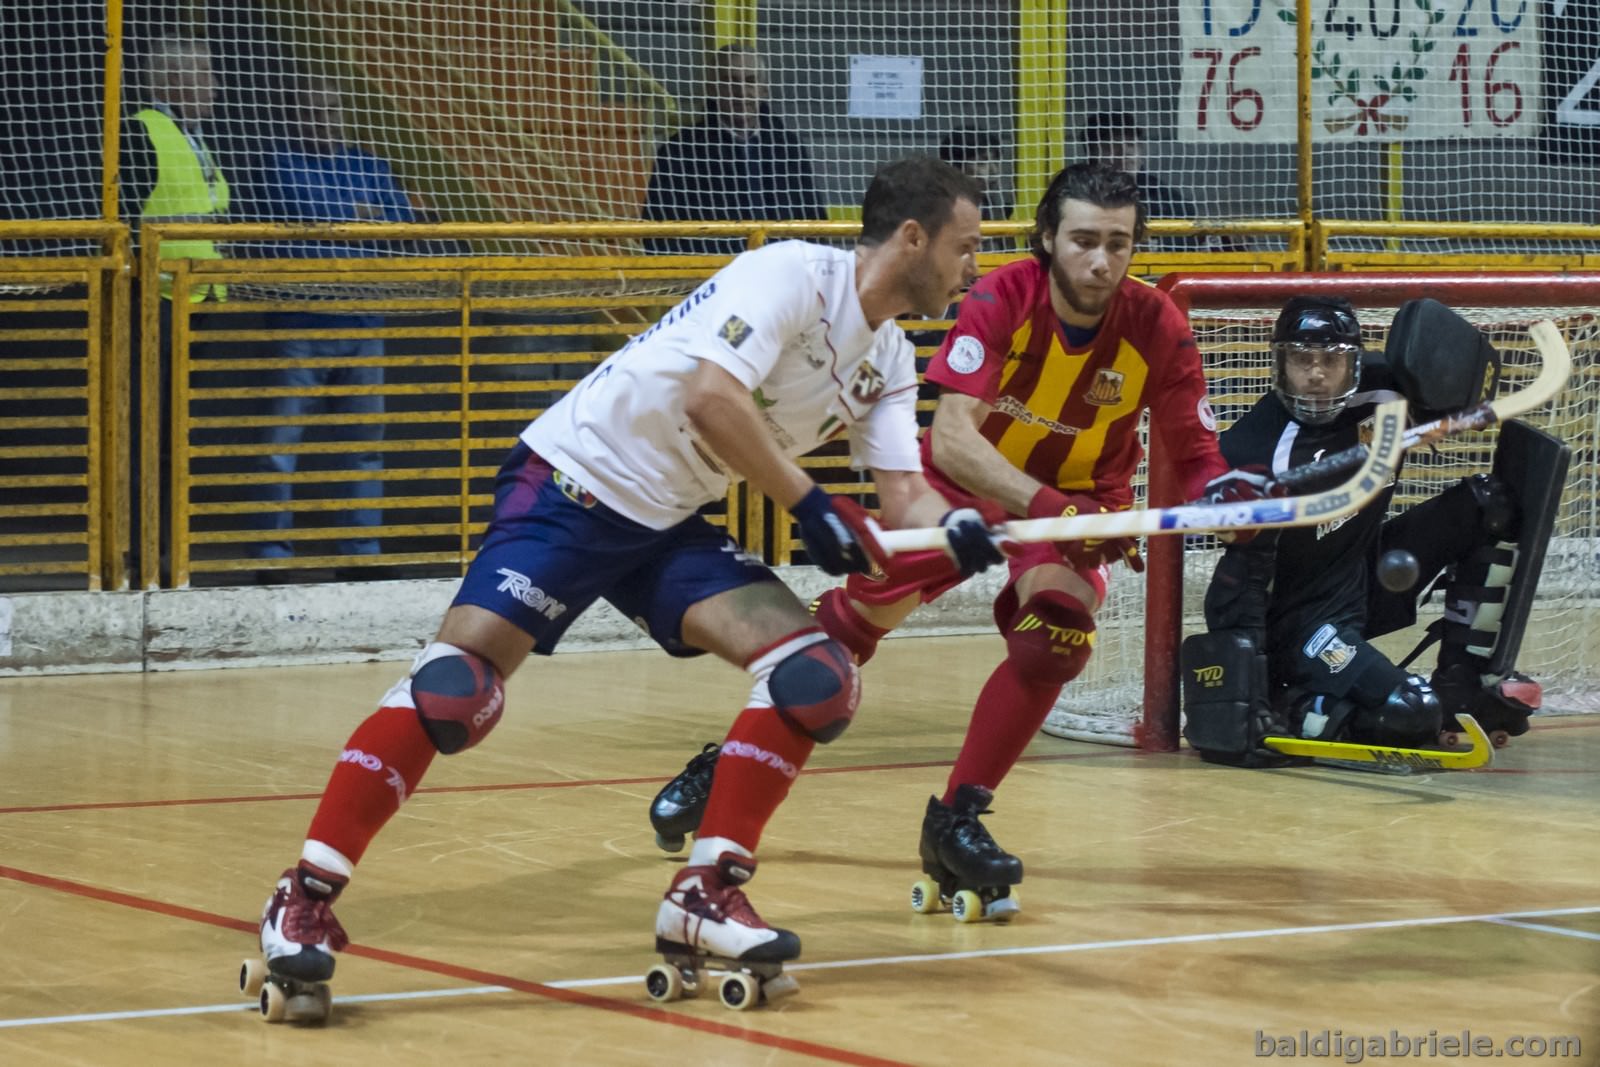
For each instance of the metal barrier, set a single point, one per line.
(63, 403)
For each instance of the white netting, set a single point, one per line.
(1107, 702)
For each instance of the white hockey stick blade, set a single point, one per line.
(1346, 498)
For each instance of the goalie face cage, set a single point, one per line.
(1129, 693)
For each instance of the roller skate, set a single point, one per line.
(677, 809)
(1502, 708)
(705, 925)
(967, 872)
(299, 936)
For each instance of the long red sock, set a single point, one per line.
(1009, 712)
(760, 761)
(380, 766)
(840, 620)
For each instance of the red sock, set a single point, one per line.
(840, 620)
(748, 787)
(381, 764)
(1010, 711)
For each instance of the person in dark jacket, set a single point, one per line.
(740, 163)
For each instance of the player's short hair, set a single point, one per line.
(1095, 183)
(966, 144)
(917, 187)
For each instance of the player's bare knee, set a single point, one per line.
(816, 689)
(1050, 638)
(458, 695)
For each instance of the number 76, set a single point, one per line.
(1237, 97)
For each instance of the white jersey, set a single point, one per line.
(785, 321)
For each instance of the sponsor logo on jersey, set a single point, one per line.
(966, 355)
(1327, 646)
(1106, 389)
(682, 308)
(1010, 405)
(1208, 418)
(523, 589)
(745, 750)
(735, 331)
(867, 383)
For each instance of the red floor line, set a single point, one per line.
(467, 974)
(115, 805)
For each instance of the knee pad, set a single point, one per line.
(458, 697)
(1409, 716)
(1497, 508)
(1050, 638)
(811, 681)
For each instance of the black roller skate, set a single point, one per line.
(299, 937)
(967, 872)
(678, 808)
(1502, 708)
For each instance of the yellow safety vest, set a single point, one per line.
(187, 188)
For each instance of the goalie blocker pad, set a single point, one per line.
(1440, 361)
(1224, 693)
(1534, 465)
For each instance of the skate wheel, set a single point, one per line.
(274, 1002)
(924, 897)
(1500, 738)
(782, 986)
(252, 975)
(739, 991)
(669, 844)
(1004, 909)
(310, 1004)
(663, 983)
(966, 906)
(1450, 739)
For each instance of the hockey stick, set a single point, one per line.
(1552, 378)
(1375, 471)
(1481, 754)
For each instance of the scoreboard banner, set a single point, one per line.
(1381, 70)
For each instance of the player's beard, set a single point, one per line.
(1079, 301)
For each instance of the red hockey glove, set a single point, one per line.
(1049, 503)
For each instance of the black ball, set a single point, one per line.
(1398, 570)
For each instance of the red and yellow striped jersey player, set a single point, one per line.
(1044, 378)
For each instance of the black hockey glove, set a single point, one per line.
(974, 544)
(835, 533)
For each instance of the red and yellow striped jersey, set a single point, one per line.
(1070, 417)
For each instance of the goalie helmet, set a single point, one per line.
(1316, 357)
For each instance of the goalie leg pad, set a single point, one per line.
(812, 683)
(1050, 638)
(458, 695)
(1534, 464)
(1224, 693)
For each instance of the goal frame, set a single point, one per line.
(1158, 727)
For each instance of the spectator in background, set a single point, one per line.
(740, 163)
(170, 173)
(317, 176)
(978, 153)
(1114, 137)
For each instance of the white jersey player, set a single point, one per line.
(783, 349)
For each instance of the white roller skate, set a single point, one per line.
(705, 923)
(299, 936)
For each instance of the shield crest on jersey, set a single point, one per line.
(1107, 388)
(1365, 432)
(867, 384)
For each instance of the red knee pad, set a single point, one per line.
(459, 698)
(816, 689)
(1050, 638)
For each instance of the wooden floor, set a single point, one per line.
(1173, 912)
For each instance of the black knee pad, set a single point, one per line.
(459, 698)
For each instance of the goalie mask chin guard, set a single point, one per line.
(1316, 342)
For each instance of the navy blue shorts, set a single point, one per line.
(552, 549)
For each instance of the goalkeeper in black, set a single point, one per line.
(1290, 613)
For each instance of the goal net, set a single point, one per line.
(1128, 694)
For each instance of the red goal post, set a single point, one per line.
(1129, 698)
